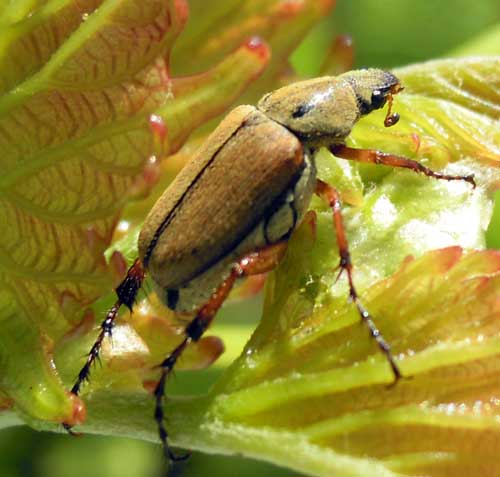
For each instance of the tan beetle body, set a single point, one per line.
(232, 177)
(230, 211)
(250, 184)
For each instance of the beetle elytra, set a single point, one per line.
(230, 212)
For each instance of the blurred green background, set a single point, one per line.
(385, 34)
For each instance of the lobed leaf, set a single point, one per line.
(76, 137)
(316, 375)
(89, 103)
(311, 390)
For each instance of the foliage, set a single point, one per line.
(310, 390)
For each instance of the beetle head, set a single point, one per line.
(324, 110)
(372, 87)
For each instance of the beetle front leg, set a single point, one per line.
(331, 195)
(261, 261)
(378, 157)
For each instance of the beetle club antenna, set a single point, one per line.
(392, 118)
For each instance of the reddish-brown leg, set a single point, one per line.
(260, 261)
(126, 293)
(379, 157)
(331, 195)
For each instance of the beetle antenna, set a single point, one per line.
(392, 118)
(127, 292)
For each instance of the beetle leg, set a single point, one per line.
(379, 157)
(261, 261)
(331, 195)
(127, 292)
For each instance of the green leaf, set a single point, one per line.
(81, 82)
(316, 390)
(89, 104)
(311, 391)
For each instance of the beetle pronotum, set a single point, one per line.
(231, 210)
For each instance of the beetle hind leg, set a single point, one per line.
(261, 261)
(126, 293)
(331, 195)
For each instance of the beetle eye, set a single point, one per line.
(378, 98)
(302, 110)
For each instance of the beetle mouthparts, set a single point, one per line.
(396, 88)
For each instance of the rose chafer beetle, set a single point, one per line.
(230, 212)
